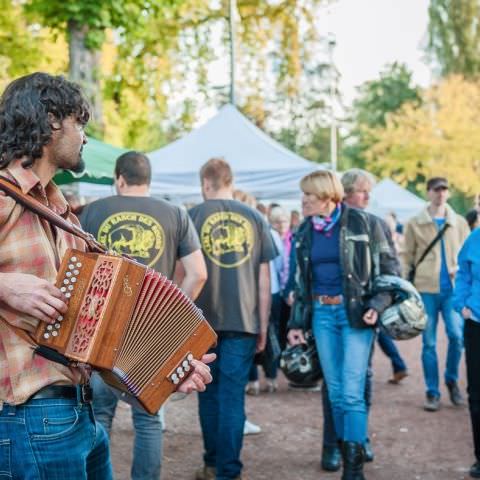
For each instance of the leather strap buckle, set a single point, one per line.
(86, 393)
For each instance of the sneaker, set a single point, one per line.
(455, 395)
(206, 473)
(272, 386)
(432, 403)
(250, 428)
(398, 377)
(253, 388)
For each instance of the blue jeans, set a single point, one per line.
(344, 355)
(436, 303)
(222, 405)
(53, 439)
(391, 351)
(147, 449)
(330, 438)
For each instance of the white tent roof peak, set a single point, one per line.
(388, 196)
(229, 134)
(261, 166)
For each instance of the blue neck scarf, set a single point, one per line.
(325, 224)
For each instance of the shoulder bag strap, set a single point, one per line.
(432, 243)
(41, 210)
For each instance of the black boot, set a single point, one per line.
(331, 458)
(353, 459)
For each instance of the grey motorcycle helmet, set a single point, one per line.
(406, 317)
(300, 363)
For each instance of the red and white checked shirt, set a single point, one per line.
(28, 245)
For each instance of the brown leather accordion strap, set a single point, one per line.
(41, 210)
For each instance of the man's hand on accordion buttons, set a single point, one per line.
(32, 295)
(200, 376)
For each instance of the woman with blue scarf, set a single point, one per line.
(339, 252)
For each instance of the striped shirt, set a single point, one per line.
(29, 244)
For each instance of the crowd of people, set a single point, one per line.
(264, 278)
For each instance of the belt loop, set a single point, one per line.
(12, 410)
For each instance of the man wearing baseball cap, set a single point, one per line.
(433, 239)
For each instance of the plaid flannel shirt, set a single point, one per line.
(28, 245)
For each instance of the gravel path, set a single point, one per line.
(409, 443)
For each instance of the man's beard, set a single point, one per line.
(80, 166)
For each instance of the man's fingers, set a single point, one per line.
(54, 291)
(58, 304)
(209, 357)
(40, 315)
(198, 383)
(203, 371)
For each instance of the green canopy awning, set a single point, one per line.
(99, 160)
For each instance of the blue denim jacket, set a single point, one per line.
(467, 280)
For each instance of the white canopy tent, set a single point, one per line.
(261, 165)
(388, 196)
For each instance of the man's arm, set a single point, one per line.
(264, 303)
(32, 296)
(195, 273)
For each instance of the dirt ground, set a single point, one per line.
(409, 443)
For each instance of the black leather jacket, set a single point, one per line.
(364, 254)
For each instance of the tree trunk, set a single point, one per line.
(84, 69)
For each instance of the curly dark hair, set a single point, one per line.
(25, 123)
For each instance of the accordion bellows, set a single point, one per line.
(132, 324)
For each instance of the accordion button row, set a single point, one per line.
(68, 285)
(182, 370)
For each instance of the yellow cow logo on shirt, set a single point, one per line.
(134, 234)
(227, 239)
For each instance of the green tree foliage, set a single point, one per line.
(439, 136)
(24, 47)
(145, 64)
(377, 99)
(454, 36)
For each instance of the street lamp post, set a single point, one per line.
(333, 93)
(232, 10)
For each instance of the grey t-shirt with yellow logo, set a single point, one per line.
(235, 241)
(153, 232)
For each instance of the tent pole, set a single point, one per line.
(232, 9)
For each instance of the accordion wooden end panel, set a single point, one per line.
(128, 321)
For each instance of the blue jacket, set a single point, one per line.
(467, 280)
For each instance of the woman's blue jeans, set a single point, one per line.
(53, 439)
(344, 352)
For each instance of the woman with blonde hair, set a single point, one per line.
(338, 256)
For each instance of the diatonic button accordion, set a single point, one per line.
(132, 324)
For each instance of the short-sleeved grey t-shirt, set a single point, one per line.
(152, 231)
(235, 241)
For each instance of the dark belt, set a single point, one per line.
(82, 393)
(329, 300)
